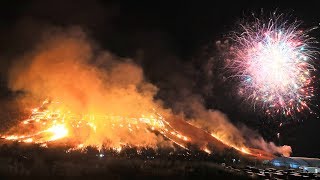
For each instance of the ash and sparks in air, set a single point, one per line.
(273, 59)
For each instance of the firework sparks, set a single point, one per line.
(273, 60)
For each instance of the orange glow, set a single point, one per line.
(54, 124)
(59, 131)
(29, 140)
(231, 144)
(206, 150)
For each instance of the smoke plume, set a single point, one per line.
(68, 67)
(256, 141)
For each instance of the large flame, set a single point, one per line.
(48, 123)
(59, 131)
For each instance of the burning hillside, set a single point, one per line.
(104, 101)
(48, 125)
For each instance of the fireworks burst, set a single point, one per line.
(273, 59)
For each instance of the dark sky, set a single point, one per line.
(168, 39)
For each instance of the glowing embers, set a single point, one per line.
(207, 150)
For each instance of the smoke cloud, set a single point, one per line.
(66, 66)
(256, 141)
(270, 147)
(216, 123)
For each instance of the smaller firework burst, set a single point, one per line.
(273, 60)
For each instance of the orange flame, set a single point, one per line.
(56, 125)
(59, 131)
(231, 144)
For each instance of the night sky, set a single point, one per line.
(173, 42)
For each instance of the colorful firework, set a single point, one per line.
(273, 59)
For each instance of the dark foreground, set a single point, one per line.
(126, 169)
(21, 162)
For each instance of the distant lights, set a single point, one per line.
(101, 155)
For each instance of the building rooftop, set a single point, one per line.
(296, 162)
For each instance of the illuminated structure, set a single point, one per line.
(311, 165)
